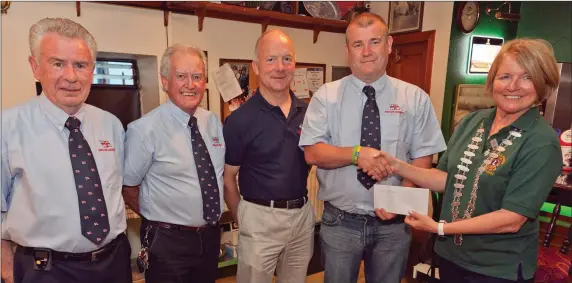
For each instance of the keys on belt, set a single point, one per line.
(287, 204)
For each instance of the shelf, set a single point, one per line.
(243, 14)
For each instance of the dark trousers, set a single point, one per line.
(181, 256)
(114, 268)
(452, 273)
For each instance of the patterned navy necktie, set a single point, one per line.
(92, 208)
(206, 173)
(370, 131)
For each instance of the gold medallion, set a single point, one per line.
(495, 163)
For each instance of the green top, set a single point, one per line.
(519, 180)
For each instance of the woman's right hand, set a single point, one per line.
(394, 163)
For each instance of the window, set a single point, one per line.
(115, 72)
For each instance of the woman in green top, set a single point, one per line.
(500, 166)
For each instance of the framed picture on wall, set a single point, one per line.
(205, 102)
(405, 16)
(483, 53)
(206, 66)
(241, 69)
(469, 98)
(339, 72)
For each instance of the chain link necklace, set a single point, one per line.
(463, 170)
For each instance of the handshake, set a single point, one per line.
(377, 164)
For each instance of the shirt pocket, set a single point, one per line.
(108, 162)
(393, 135)
(394, 127)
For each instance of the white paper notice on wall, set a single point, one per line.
(400, 200)
(226, 83)
(299, 84)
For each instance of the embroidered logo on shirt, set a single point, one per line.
(105, 146)
(394, 108)
(299, 130)
(495, 163)
(216, 142)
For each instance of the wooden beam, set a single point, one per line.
(78, 8)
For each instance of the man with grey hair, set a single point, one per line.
(174, 161)
(62, 168)
(275, 218)
(347, 123)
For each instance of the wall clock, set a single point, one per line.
(468, 16)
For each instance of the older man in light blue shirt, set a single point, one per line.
(348, 121)
(174, 184)
(62, 170)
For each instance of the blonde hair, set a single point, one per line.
(63, 27)
(536, 57)
(179, 47)
(365, 20)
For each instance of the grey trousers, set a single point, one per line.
(274, 239)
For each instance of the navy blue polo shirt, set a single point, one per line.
(264, 143)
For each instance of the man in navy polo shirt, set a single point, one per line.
(276, 221)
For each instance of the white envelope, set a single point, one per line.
(400, 200)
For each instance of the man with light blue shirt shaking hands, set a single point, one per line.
(348, 121)
(174, 161)
(62, 170)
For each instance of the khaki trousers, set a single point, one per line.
(274, 239)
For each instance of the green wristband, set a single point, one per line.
(355, 154)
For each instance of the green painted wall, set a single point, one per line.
(551, 21)
(459, 54)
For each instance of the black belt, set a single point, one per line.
(287, 204)
(397, 219)
(178, 227)
(65, 256)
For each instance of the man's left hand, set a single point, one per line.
(384, 215)
(421, 222)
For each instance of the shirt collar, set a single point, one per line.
(57, 116)
(264, 105)
(181, 116)
(378, 85)
(524, 122)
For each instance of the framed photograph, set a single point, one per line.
(483, 53)
(469, 98)
(405, 16)
(314, 76)
(241, 69)
(207, 73)
(339, 72)
(205, 102)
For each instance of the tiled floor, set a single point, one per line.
(314, 278)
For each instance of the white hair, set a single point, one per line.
(179, 47)
(63, 27)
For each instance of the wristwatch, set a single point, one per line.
(440, 228)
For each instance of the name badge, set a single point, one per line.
(494, 143)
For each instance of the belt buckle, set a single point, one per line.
(95, 253)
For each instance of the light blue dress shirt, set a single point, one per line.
(159, 157)
(409, 130)
(39, 197)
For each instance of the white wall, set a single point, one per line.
(115, 28)
(436, 16)
(236, 40)
(141, 31)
